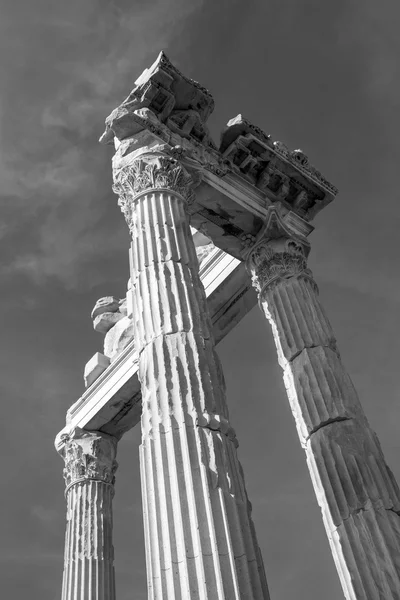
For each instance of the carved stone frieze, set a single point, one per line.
(272, 167)
(150, 172)
(277, 254)
(88, 455)
(246, 143)
(167, 107)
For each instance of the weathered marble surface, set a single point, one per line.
(89, 475)
(188, 452)
(112, 403)
(356, 491)
(200, 540)
(110, 317)
(237, 181)
(95, 367)
(208, 547)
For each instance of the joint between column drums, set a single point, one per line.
(227, 434)
(221, 425)
(328, 422)
(310, 347)
(169, 334)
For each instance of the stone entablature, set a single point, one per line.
(235, 183)
(179, 102)
(284, 175)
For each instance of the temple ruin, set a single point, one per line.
(250, 203)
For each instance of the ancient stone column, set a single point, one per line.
(355, 489)
(89, 476)
(199, 536)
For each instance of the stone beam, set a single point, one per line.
(238, 180)
(112, 404)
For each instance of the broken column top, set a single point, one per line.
(239, 180)
(172, 97)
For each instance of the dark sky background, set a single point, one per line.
(322, 76)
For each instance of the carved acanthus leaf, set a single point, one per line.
(88, 455)
(151, 172)
(278, 254)
(276, 259)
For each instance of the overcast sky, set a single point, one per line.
(322, 76)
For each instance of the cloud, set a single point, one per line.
(74, 62)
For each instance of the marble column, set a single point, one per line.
(89, 476)
(199, 535)
(355, 489)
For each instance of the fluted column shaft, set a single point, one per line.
(89, 475)
(355, 489)
(200, 539)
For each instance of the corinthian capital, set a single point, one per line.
(277, 254)
(88, 455)
(150, 172)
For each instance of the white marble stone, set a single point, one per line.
(200, 540)
(118, 338)
(117, 390)
(89, 475)
(356, 491)
(188, 455)
(95, 367)
(105, 321)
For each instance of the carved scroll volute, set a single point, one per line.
(278, 254)
(88, 455)
(150, 172)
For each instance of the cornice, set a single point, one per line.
(174, 109)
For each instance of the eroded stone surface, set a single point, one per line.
(95, 367)
(195, 503)
(235, 182)
(357, 493)
(89, 475)
(118, 338)
(110, 317)
(105, 321)
(106, 304)
(168, 111)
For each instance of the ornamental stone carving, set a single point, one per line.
(110, 317)
(278, 254)
(88, 455)
(150, 172)
(282, 174)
